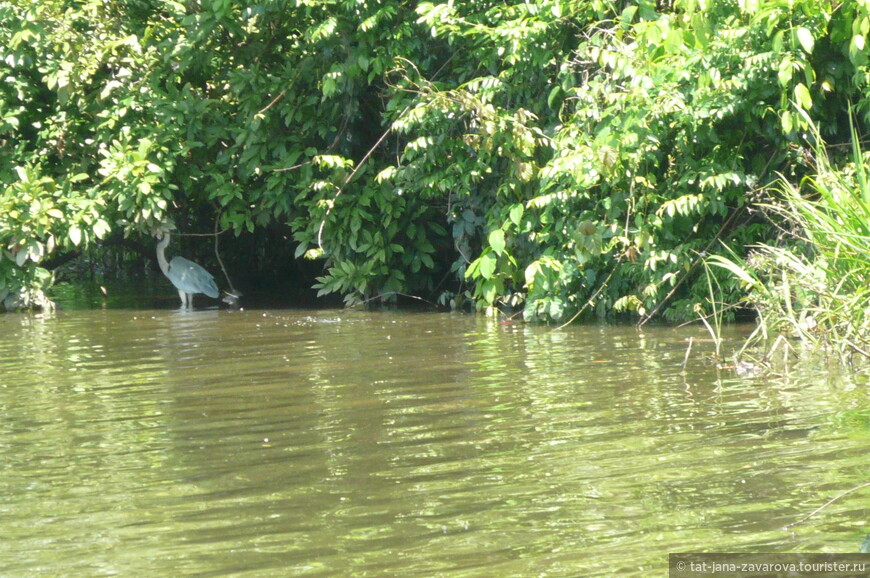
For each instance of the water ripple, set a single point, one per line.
(337, 442)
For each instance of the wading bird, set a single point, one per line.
(188, 277)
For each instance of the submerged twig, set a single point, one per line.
(409, 296)
(779, 339)
(688, 351)
(826, 504)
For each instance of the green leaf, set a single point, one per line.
(785, 72)
(556, 309)
(554, 94)
(487, 265)
(101, 229)
(787, 122)
(496, 241)
(856, 50)
(531, 272)
(75, 235)
(805, 37)
(489, 292)
(627, 15)
(802, 94)
(777, 42)
(516, 214)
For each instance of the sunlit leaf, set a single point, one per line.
(516, 214)
(487, 265)
(802, 94)
(101, 229)
(496, 241)
(805, 37)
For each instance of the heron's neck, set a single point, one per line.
(161, 254)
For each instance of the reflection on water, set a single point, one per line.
(344, 443)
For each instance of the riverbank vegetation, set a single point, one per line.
(814, 282)
(557, 158)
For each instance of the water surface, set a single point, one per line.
(337, 443)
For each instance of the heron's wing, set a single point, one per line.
(191, 278)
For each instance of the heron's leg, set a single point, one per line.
(183, 296)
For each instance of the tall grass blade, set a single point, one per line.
(814, 283)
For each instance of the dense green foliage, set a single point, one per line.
(550, 156)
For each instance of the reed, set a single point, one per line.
(716, 311)
(813, 285)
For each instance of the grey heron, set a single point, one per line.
(188, 277)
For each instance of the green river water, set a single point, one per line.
(342, 443)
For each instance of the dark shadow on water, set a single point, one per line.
(159, 294)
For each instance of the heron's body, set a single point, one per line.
(188, 277)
